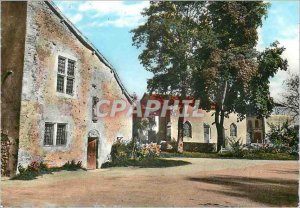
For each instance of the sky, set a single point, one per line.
(107, 24)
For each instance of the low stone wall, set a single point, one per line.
(199, 147)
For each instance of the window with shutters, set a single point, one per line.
(65, 75)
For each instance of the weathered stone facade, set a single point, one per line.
(50, 35)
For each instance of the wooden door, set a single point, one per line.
(257, 137)
(92, 154)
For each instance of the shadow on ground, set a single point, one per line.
(272, 192)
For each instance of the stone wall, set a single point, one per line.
(48, 36)
(197, 124)
(13, 28)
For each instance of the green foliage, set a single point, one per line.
(147, 163)
(151, 150)
(257, 154)
(236, 146)
(139, 125)
(122, 151)
(35, 169)
(72, 165)
(284, 137)
(291, 95)
(4, 137)
(260, 155)
(188, 155)
(206, 49)
(171, 146)
(168, 36)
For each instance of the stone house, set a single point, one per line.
(52, 77)
(201, 135)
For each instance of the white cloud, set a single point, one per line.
(121, 22)
(75, 18)
(287, 33)
(121, 14)
(292, 55)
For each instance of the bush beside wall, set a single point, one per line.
(199, 147)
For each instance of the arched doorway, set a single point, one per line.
(92, 149)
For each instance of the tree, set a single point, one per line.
(168, 37)
(291, 95)
(207, 50)
(284, 135)
(232, 77)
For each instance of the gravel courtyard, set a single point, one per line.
(205, 182)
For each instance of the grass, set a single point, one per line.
(146, 163)
(189, 155)
(229, 155)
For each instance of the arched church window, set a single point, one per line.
(233, 130)
(187, 129)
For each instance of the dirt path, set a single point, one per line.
(206, 182)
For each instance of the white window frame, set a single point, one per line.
(65, 75)
(55, 134)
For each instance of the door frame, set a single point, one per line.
(87, 152)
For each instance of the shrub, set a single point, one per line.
(169, 146)
(120, 151)
(236, 146)
(36, 168)
(284, 137)
(151, 150)
(32, 171)
(72, 165)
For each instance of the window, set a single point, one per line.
(249, 126)
(61, 134)
(65, 75)
(256, 124)
(206, 133)
(48, 137)
(233, 130)
(55, 130)
(187, 129)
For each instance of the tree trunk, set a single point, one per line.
(219, 121)
(221, 136)
(180, 131)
